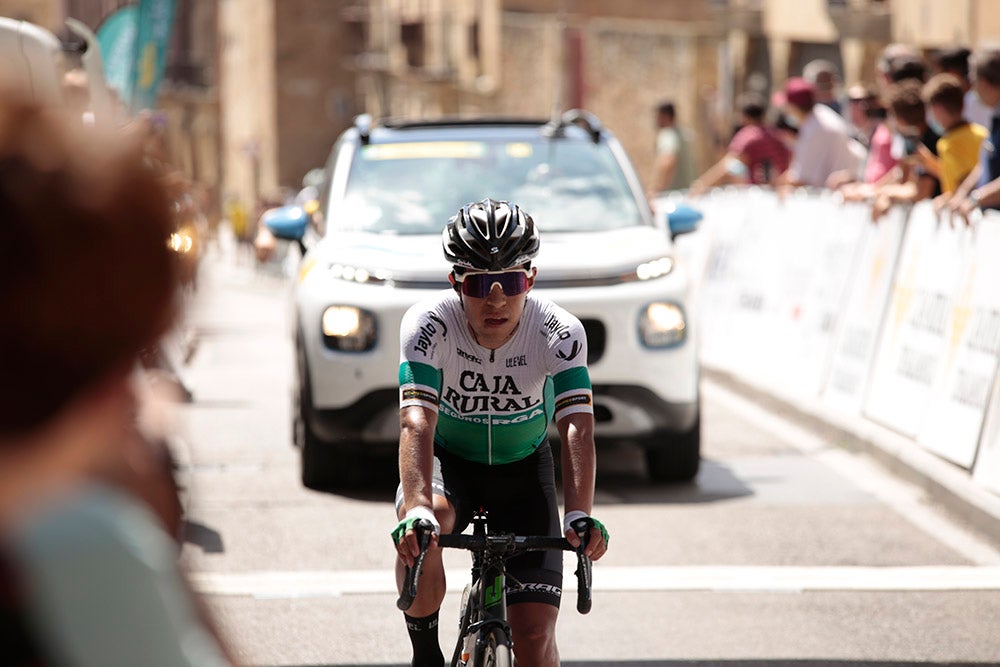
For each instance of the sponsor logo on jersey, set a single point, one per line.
(570, 401)
(553, 328)
(520, 360)
(415, 394)
(471, 357)
(478, 393)
(573, 351)
(425, 343)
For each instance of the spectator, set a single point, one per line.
(956, 61)
(915, 177)
(958, 147)
(981, 188)
(88, 572)
(825, 78)
(824, 145)
(756, 155)
(672, 167)
(895, 63)
(864, 113)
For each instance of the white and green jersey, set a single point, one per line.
(493, 406)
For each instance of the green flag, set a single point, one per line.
(116, 37)
(155, 24)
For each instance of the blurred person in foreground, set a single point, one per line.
(755, 156)
(981, 188)
(673, 168)
(824, 145)
(88, 519)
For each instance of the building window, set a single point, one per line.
(412, 36)
(474, 40)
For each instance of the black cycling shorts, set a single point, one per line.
(520, 498)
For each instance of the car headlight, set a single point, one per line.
(662, 324)
(654, 269)
(348, 329)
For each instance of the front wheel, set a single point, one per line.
(674, 457)
(496, 652)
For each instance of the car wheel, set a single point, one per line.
(674, 457)
(321, 467)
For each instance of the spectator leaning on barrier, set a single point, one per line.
(958, 147)
(88, 573)
(896, 63)
(824, 145)
(915, 177)
(672, 166)
(981, 188)
(864, 113)
(756, 154)
(956, 61)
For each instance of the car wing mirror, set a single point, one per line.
(681, 218)
(287, 222)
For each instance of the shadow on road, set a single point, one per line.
(621, 479)
(722, 663)
(209, 539)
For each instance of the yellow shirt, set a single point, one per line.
(958, 152)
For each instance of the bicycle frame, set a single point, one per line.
(487, 605)
(486, 608)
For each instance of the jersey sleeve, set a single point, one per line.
(567, 363)
(421, 337)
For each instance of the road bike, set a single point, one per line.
(484, 637)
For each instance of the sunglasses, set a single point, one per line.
(479, 285)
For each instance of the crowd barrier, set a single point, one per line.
(898, 322)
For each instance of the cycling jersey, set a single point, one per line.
(493, 406)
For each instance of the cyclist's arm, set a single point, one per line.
(416, 455)
(579, 465)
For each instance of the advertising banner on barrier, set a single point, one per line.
(861, 316)
(774, 282)
(961, 391)
(987, 470)
(721, 229)
(815, 248)
(913, 344)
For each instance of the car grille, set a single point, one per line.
(596, 338)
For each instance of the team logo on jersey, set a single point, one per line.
(477, 393)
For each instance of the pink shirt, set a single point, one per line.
(765, 154)
(880, 159)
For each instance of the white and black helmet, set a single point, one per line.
(490, 236)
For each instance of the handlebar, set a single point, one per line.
(506, 544)
(424, 529)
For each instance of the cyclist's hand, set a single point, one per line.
(598, 540)
(404, 536)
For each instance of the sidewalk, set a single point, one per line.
(946, 486)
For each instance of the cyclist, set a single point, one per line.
(482, 371)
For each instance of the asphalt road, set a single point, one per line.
(785, 551)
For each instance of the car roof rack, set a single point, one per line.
(589, 122)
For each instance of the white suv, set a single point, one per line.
(388, 191)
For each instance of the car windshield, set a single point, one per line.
(414, 187)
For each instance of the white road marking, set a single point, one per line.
(906, 499)
(720, 579)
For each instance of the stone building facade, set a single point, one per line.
(257, 90)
